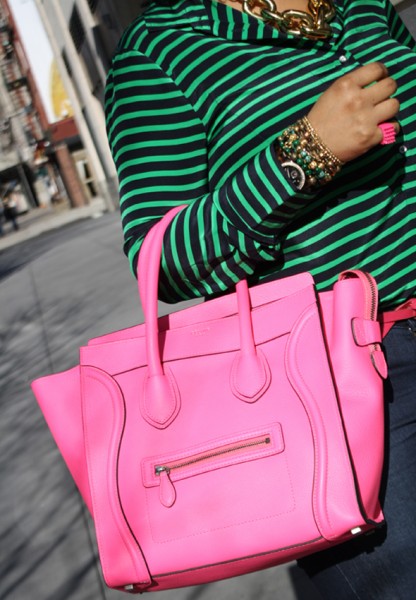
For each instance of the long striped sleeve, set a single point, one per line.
(397, 28)
(160, 148)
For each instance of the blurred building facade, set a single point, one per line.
(19, 123)
(33, 170)
(83, 35)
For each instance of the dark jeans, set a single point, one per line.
(382, 565)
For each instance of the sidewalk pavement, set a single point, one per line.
(40, 220)
(70, 287)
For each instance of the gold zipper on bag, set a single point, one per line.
(167, 489)
(220, 452)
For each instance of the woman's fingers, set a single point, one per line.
(386, 111)
(368, 74)
(381, 90)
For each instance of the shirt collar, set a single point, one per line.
(220, 20)
(176, 14)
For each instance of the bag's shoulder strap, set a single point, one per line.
(404, 311)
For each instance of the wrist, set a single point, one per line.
(307, 161)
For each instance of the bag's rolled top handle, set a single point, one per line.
(160, 401)
(250, 375)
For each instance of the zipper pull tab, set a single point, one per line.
(167, 492)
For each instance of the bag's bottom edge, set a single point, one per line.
(234, 567)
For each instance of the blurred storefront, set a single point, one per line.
(83, 35)
(36, 164)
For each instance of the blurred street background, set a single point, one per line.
(63, 280)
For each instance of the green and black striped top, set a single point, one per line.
(196, 96)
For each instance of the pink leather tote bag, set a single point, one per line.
(228, 437)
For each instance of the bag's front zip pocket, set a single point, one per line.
(165, 470)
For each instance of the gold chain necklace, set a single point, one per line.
(313, 25)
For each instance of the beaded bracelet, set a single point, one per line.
(308, 162)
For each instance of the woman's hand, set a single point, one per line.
(347, 115)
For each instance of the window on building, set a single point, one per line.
(93, 5)
(76, 29)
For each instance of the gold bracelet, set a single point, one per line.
(306, 159)
(325, 151)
